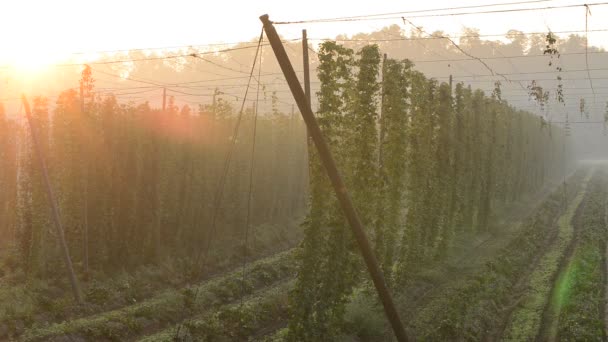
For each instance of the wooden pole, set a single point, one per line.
(53, 203)
(306, 67)
(157, 201)
(450, 83)
(339, 187)
(85, 190)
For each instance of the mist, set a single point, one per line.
(421, 185)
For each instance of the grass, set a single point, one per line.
(581, 314)
(472, 308)
(581, 302)
(277, 336)
(41, 299)
(526, 320)
(234, 322)
(172, 305)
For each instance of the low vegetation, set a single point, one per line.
(525, 322)
(173, 305)
(474, 308)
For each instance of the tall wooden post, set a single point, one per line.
(157, 202)
(53, 203)
(450, 83)
(85, 229)
(306, 67)
(336, 180)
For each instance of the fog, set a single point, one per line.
(155, 190)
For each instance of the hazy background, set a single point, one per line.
(50, 40)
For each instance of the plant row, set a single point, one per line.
(581, 315)
(525, 321)
(449, 154)
(473, 309)
(234, 322)
(136, 184)
(172, 305)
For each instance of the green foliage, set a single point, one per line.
(525, 322)
(391, 163)
(168, 306)
(137, 185)
(474, 309)
(325, 273)
(364, 316)
(235, 322)
(449, 156)
(33, 239)
(9, 134)
(423, 162)
(581, 314)
(538, 94)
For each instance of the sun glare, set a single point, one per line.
(31, 61)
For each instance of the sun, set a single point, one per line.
(28, 60)
(29, 64)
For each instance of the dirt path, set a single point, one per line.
(570, 268)
(527, 319)
(159, 331)
(549, 326)
(472, 254)
(519, 293)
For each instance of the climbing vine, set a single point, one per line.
(423, 162)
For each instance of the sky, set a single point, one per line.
(39, 31)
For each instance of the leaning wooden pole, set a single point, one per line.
(339, 187)
(85, 232)
(53, 203)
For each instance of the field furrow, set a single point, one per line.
(171, 306)
(577, 298)
(474, 307)
(234, 322)
(526, 320)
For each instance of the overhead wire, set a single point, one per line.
(587, 13)
(508, 34)
(204, 252)
(199, 83)
(420, 29)
(415, 11)
(398, 15)
(217, 64)
(250, 189)
(435, 53)
(150, 58)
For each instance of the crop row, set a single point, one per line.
(525, 322)
(581, 299)
(473, 308)
(172, 306)
(234, 322)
